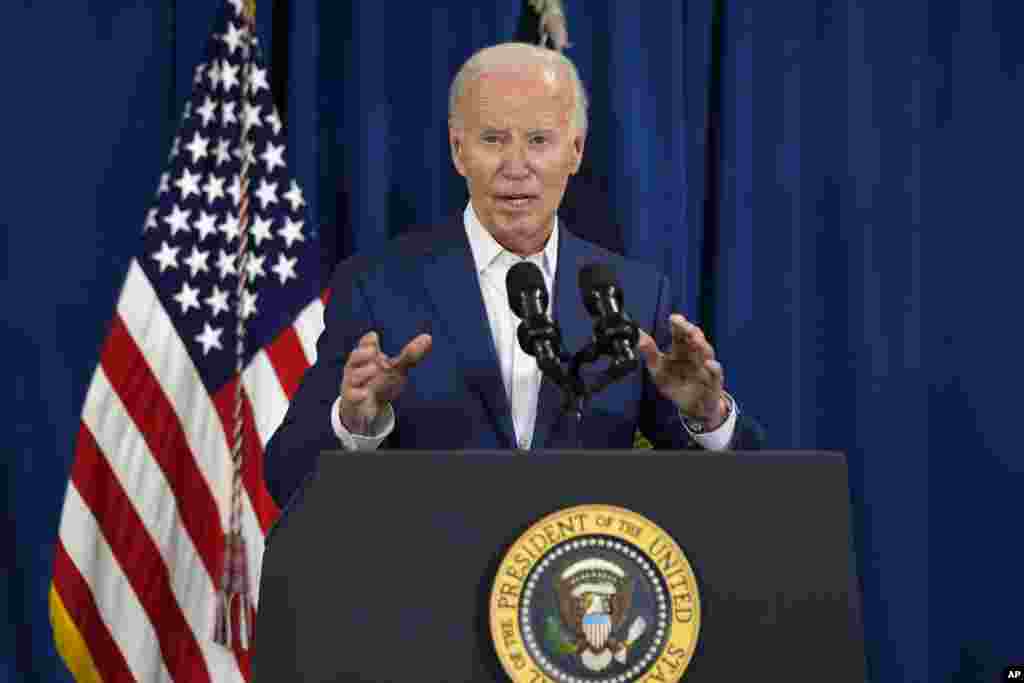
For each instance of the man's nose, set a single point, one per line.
(514, 163)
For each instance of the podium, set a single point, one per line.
(382, 567)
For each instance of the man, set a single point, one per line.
(420, 349)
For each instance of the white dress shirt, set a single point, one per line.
(519, 371)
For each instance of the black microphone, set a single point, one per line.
(537, 334)
(614, 331)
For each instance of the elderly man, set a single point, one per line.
(420, 348)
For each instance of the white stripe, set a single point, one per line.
(146, 486)
(116, 602)
(309, 325)
(269, 402)
(158, 341)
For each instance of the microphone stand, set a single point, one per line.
(576, 394)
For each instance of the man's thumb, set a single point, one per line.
(413, 353)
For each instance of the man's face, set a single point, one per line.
(516, 147)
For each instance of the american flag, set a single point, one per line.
(158, 533)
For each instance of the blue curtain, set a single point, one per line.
(864, 270)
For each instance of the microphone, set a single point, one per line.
(537, 334)
(614, 331)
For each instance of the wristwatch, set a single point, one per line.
(697, 425)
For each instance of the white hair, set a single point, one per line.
(517, 54)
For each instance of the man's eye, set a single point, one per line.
(538, 139)
(490, 139)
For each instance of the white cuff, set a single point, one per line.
(718, 439)
(380, 428)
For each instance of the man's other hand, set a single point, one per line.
(372, 379)
(688, 374)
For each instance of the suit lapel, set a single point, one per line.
(454, 288)
(576, 327)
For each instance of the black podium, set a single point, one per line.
(382, 567)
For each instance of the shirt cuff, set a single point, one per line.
(380, 428)
(717, 439)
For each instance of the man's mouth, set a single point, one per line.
(515, 200)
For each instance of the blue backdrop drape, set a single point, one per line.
(857, 267)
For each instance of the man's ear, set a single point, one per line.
(455, 143)
(578, 143)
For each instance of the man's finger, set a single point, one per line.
(648, 349)
(355, 394)
(714, 368)
(369, 339)
(362, 375)
(688, 340)
(412, 354)
(360, 356)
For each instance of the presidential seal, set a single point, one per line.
(595, 594)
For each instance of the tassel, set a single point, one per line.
(234, 623)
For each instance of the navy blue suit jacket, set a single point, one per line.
(426, 281)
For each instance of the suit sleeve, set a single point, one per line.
(659, 419)
(292, 451)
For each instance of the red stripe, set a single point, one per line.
(154, 416)
(289, 360)
(139, 559)
(325, 295)
(252, 466)
(81, 607)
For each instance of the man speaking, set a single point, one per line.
(420, 348)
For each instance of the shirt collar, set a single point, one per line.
(487, 252)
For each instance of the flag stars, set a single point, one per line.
(226, 264)
(249, 304)
(165, 183)
(208, 111)
(223, 153)
(274, 119)
(197, 261)
(210, 338)
(291, 232)
(251, 116)
(228, 75)
(175, 147)
(294, 196)
(254, 267)
(198, 147)
(267, 193)
(151, 219)
(245, 153)
(198, 77)
(238, 5)
(230, 228)
(235, 189)
(213, 73)
(178, 220)
(257, 80)
(260, 229)
(285, 267)
(273, 156)
(206, 225)
(214, 188)
(217, 301)
(188, 184)
(167, 257)
(234, 38)
(227, 113)
(187, 298)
